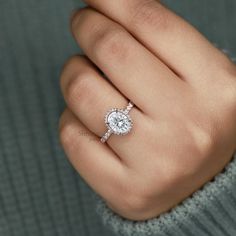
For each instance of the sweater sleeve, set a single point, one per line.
(209, 211)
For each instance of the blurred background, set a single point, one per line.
(40, 193)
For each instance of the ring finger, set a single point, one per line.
(90, 96)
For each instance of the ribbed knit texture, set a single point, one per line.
(209, 211)
(40, 193)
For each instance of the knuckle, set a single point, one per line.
(229, 92)
(67, 131)
(79, 88)
(65, 135)
(79, 17)
(70, 135)
(109, 44)
(105, 39)
(205, 141)
(78, 62)
(149, 12)
(70, 62)
(228, 102)
(66, 67)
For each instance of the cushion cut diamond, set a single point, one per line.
(119, 122)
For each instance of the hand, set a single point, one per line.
(184, 91)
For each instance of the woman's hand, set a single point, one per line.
(184, 91)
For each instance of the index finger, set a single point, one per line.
(168, 36)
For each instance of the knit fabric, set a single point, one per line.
(209, 211)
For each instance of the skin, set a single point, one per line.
(184, 91)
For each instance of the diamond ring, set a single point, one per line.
(118, 122)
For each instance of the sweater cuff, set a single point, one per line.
(209, 211)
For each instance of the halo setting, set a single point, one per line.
(118, 122)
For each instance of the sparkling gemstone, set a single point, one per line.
(119, 122)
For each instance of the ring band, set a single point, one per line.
(118, 122)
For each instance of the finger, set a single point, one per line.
(95, 162)
(89, 96)
(167, 35)
(136, 72)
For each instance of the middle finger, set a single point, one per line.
(131, 67)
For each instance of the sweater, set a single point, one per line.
(209, 211)
(40, 193)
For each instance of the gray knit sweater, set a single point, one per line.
(209, 211)
(40, 193)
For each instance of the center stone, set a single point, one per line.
(119, 122)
